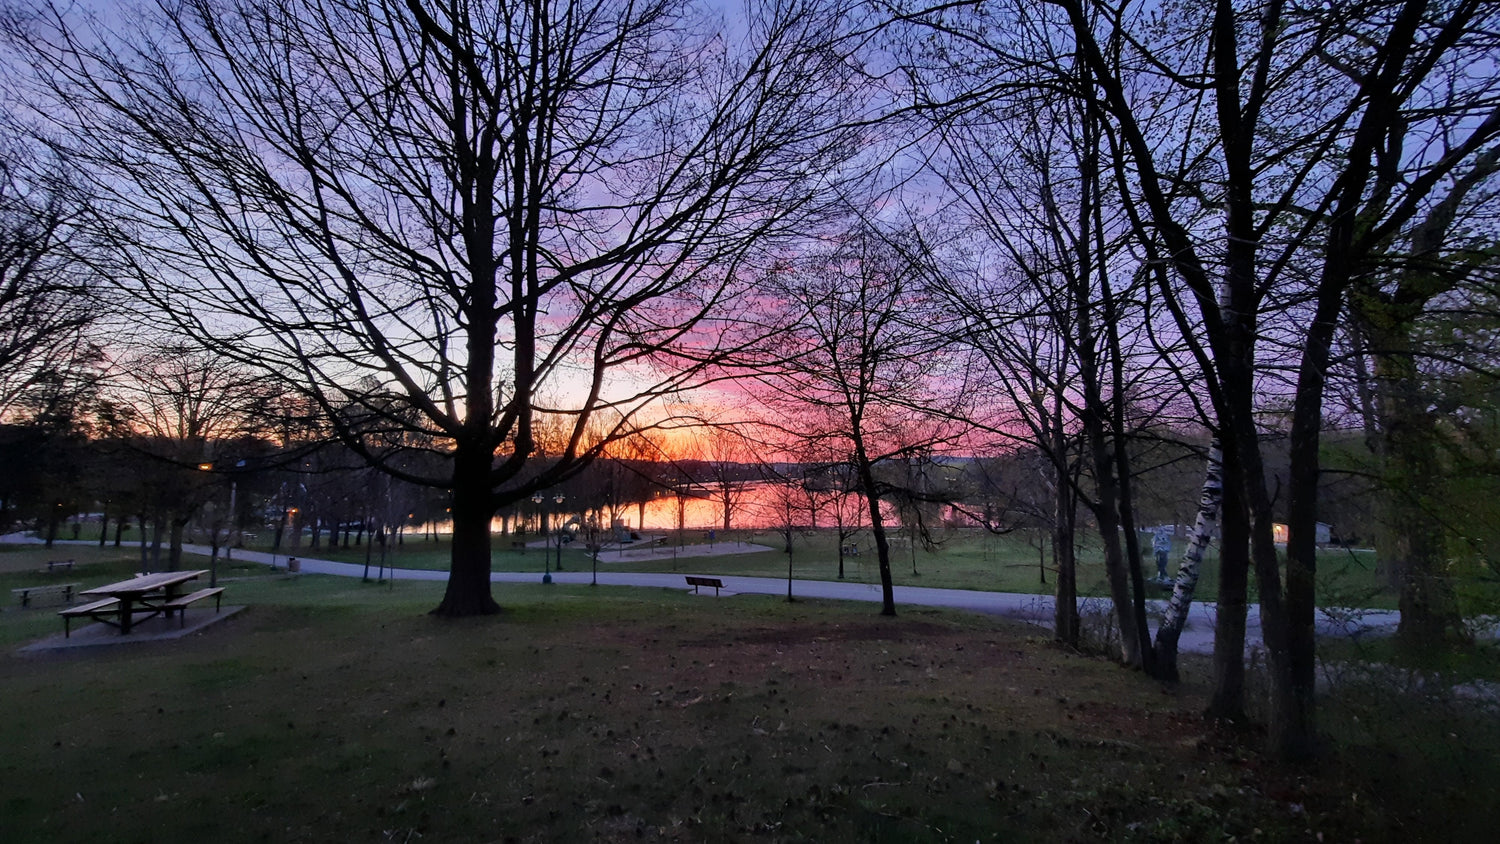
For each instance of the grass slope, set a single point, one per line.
(338, 711)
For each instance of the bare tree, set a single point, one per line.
(486, 210)
(46, 289)
(867, 368)
(1386, 83)
(177, 406)
(835, 482)
(728, 463)
(1048, 293)
(1265, 153)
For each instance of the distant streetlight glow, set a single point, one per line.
(539, 500)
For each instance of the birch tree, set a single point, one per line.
(1383, 82)
(1185, 583)
(1265, 153)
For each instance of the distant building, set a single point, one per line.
(1322, 533)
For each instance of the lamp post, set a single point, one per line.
(234, 522)
(560, 527)
(213, 562)
(539, 500)
(294, 528)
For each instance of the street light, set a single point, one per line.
(538, 500)
(234, 521)
(560, 528)
(213, 568)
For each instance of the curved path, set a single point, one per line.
(1197, 637)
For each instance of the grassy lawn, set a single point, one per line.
(334, 710)
(962, 559)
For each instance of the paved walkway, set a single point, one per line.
(1197, 636)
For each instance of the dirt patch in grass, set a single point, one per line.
(604, 715)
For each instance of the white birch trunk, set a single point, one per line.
(1174, 617)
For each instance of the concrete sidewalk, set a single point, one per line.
(638, 551)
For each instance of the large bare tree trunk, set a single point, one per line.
(1411, 544)
(468, 591)
(1227, 701)
(1106, 514)
(1412, 541)
(145, 543)
(174, 546)
(1065, 621)
(1140, 625)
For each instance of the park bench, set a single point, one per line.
(695, 582)
(54, 565)
(181, 604)
(52, 593)
(646, 542)
(96, 610)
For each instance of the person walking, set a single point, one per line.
(1161, 543)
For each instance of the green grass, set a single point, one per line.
(961, 559)
(334, 710)
(28, 560)
(24, 565)
(1479, 661)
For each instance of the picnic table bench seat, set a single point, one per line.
(30, 596)
(183, 602)
(94, 609)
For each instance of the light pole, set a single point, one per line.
(560, 527)
(234, 523)
(213, 561)
(539, 500)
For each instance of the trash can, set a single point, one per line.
(293, 564)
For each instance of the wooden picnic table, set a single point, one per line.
(151, 594)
